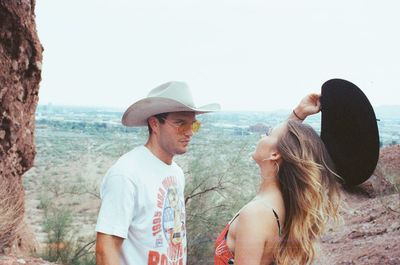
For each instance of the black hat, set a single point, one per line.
(349, 130)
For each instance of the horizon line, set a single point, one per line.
(120, 109)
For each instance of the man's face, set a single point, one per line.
(172, 138)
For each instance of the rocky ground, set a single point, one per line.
(12, 260)
(370, 233)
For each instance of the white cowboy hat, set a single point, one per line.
(169, 97)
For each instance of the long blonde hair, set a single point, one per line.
(310, 191)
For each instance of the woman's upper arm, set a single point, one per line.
(254, 229)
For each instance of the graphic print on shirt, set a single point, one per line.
(169, 225)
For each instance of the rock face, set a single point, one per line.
(389, 159)
(370, 232)
(20, 74)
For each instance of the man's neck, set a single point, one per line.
(155, 148)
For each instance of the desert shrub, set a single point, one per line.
(57, 225)
(44, 201)
(62, 243)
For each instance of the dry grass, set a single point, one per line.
(11, 211)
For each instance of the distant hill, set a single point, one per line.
(76, 109)
(385, 111)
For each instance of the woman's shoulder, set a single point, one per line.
(257, 210)
(259, 215)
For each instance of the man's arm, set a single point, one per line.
(108, 249)
(309, 105)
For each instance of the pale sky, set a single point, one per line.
(244, 54)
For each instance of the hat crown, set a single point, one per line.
(172, 96)
(175, 90)
(349, 130)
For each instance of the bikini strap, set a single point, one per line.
(229, 224)
(233, 219)
(277, 220)
(276, 216)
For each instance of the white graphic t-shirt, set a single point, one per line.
(143, 202)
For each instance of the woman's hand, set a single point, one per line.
(309, 105)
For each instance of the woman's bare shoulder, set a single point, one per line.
(257, 215)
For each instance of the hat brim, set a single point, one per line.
(138, 113)
(349, 130)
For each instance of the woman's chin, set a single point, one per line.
(254, 158)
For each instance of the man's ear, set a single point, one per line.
(153, 123)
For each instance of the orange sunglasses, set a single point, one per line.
(182, 128)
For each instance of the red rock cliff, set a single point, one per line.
(20, 74)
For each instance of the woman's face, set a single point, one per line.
(267, 146)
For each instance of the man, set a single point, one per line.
(142, 215)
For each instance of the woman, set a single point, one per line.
(298, 193)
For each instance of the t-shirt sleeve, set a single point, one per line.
(118, 198)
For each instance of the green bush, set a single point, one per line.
(44, 202)
(62, 245)
(57, 225)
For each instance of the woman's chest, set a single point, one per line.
(231, 235)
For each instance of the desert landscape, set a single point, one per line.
(53, 158)
(74, 153)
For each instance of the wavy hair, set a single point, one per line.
(310, 192)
